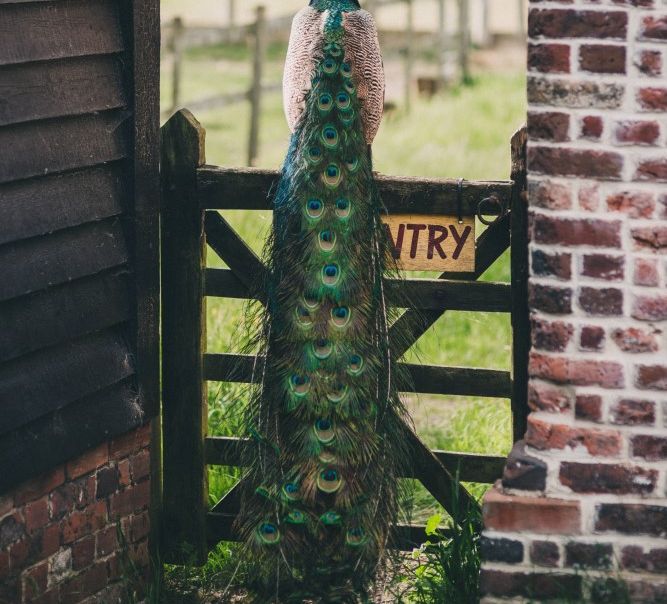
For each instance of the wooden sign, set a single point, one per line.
(432, 243)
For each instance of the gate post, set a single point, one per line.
(519, 268)
(184, 406)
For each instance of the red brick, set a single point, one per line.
(124, 478)
(650, 238)
(551, 126)
(36, 514)
(637, 132)
(553, 336)
(570, 23)
(585, 163)
(603, 266)
(599, 58)
(140, 465)
(131, 442)
(546, 264)
(83, 552)
(649, 62)
(549, 195)
(634, 557)
(85, 522)
(573, 231)
(650, 308)
(592, 127)
(544, 436)
(107, 541)
(646, 272)
(90, 581)
(652, 99)
(21, 554)
(139, 527)
(632, 519)
(52, 596)
(651, 377)
(561, 370)
(4, 566)
(616, 479)
(591, 338)
(535, 514)
(89, 461)
(51, 539)
(549, 299)
(589, 197)
(107, 481)
(501, 550)
(607, 301)
(630, 412)
(588, 407)
(545, 397)
(652, 169)
(526, 585)
(40, 486)
(649, 447)
(131, 500)
(76, 494)
(631, 339)
(544, 553)
(11, 530)
(588, 555)
(34, 582)
(654, 27)
(549, 58)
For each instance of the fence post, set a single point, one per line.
(519, 284)
(184, 403)
(256, 90)
(177, 54)
(409, 55)
(464, 41)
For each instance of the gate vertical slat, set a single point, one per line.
(184, 404)
(519, 284)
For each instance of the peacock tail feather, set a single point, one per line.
(321, 491)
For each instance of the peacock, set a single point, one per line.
(328, 425)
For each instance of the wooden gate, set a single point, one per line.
(192, 192)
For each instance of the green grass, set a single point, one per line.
(463, 133)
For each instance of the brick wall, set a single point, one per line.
(583, 502)
(59, 537)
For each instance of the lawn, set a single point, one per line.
(463, 133)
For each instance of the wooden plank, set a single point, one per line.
(38, 263)
(50, 379)
(423, 294)
(54, 30)
(63, 313)
(426, 379)
(59, 437)
(43, 205)
(60, 88)
(251, 189)
(520, 271)
(228, 451)
(41, 148)
(432, 242)
(183, 340)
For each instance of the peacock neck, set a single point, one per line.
(335, 5)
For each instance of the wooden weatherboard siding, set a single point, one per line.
(78, 227)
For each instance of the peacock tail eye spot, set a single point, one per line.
(352, 164)
(263, 492)
(330, 137)
(311, 301)
(314, 155)
(300, 384)
(329, 481)
(330, 274)
(334, 49)
(343, 208)
(338, 393)
(303, 317)
(327, 240)
(355, 537)
(268, 533)
(291, 491)
(330, 518)
(343, 100)
(327, 457)
(322, 349)
(314, 208)
(349, 87)
(325, 102)
(355, 364)
(329, 66)
(332, 176)
(340, 316)
(324, 431)
(295, 517)
(347, 118)
(346, 70)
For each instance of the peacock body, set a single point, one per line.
(322, 490)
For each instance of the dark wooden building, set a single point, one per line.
(78, 227)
